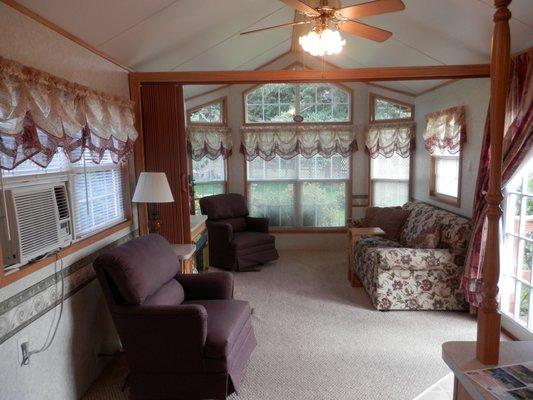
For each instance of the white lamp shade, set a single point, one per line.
(152, 187)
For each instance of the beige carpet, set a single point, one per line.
(320, 339)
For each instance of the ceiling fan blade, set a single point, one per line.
(365, 31)
(302, 7)
(277, 26)
(371, 8)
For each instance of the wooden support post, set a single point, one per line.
(488, 333)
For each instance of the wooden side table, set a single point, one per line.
(184, 252)
(354, 234)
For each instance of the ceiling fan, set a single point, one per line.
(343, 18)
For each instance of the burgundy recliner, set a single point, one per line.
(236, 240)
(184, 336)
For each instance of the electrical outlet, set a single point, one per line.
(23, 347)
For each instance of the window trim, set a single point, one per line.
(192, 199)
(373, 97)
(77, 244)
(349, 202)
(345, 88)
(443, 198)
(224, 103)
(409, 181)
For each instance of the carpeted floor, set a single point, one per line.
(321, 339)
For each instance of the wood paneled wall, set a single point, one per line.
(164, 140)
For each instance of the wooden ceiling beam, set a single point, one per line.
(336, 75)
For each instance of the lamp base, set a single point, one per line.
(154, 225)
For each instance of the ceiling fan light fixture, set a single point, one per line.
(323, 42)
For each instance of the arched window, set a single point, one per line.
(289, 103)
(209, 113)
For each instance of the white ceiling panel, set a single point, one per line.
(96, 21)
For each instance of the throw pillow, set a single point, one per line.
(427, 239)
(390, 219)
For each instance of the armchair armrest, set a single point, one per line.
(400, 258)
(257, 224)
(163, 338)
(219, 232)
(209, 286)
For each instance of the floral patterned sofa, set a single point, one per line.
(401, 278)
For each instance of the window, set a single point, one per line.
(209, 113)
(96, 190)
(390, 170)
(300, 192)
(389, 181)
(385, 109)
(282, 102)
(517, 249)
(209, 177)
(445, 170)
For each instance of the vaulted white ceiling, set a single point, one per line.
(181, 35)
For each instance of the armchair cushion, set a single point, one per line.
(140, 267)
(243, 240)
(222, 206)
(171, 293)
(226, 319)
(211, 286)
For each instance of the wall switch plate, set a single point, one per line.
(23, 347)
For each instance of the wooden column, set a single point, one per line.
(488, 333)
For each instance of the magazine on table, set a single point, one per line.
(508, 382)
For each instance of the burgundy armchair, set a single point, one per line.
(236, 240)
(184, 336)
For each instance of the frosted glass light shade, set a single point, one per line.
(152, 187)
(319, 43)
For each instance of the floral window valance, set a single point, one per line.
(445, 130)
(209, 141)
(387, 139)
(40, 112)
(267, 142)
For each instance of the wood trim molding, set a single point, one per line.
(36, 17)
(398, 91)
(30, 268)
(441, 85)
(339, 75)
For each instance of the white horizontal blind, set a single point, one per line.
(97, 195)
(447, 175)
(59, 163)
(389, 180)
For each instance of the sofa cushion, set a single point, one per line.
(140, 267)
(427, 239)
(170, 294)
(455, 230)
(222, 206)
(226, 320)
(390, 219)
(246, 239)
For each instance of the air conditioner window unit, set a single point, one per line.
(39, 220)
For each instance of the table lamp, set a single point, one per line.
(153, 188)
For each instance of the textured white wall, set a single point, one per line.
(474, 95)
(67, 369)
(236, 165)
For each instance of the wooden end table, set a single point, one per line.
(354, 234)
(184, 252)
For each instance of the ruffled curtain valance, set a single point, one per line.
(267, 142)
(386, 139)
(40, 112)
(209, 141)
(445, 130)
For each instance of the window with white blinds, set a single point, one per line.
(389, 181)
(97, 191)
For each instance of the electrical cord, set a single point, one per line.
(50, 339)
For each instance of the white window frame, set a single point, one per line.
(433, 193)
(297, 105)
(513, 324)
(298, 189)
(68, 177)
(372, 194)
(223, 183)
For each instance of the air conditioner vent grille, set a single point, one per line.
(37, 221)
(62, 202)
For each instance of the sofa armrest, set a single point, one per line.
(401, 258)
(208, 286)
(257, 224)
(163, 338)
